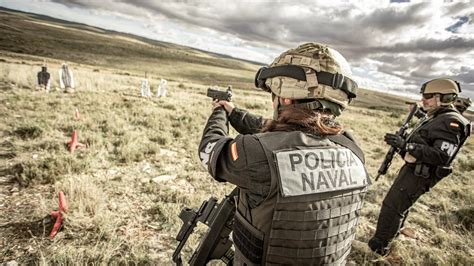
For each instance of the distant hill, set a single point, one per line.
(44, 36)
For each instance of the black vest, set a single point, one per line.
(312, 211)
(43, 78)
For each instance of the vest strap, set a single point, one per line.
(316, 215)
(311, 252)
(315, 234)
(348, 143)
(248, 239)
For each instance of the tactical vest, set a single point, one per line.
(427, 130)
(430, 125)
(312, 210)
(43, 78)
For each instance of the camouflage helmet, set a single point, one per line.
(441, 86)
(310, 71)
(462, 104)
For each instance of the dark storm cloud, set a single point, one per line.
(415, 69)
(81, 3)
(466, 75)
(449, 47)
(387, 35)
(457, 8)
(408, 63)
(453, 44)
(275, 23)
(390, 19)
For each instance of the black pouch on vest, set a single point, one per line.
(422, 170)
(248, 239)
(443, 171)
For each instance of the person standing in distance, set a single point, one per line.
(301, 177)
(428, 153)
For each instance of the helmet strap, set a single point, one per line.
(276, 106)
(307, 105)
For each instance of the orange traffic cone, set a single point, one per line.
(63, 207)
(77, 115)
(74, 144)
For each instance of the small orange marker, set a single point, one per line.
(63, 207)
(74, 143)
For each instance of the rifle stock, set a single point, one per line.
(216, 243)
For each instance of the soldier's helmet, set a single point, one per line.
(448, 89)
(311, 71)
(462, 104)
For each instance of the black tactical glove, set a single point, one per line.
(395, 141)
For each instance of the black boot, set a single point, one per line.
(378, 246)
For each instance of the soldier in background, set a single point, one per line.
(462, 104)
(66, 79)
(44, 79)
(428, 153)
(302, 180)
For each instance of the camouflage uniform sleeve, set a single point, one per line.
(214, 138)
(240, 161)
(437, 145)
(245, 122)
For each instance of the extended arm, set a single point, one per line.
(245, 122)
(238, 161)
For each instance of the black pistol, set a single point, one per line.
(220, 95)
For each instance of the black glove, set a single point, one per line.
(395, 141)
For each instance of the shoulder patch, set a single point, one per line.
(454, 125)
(233, 151)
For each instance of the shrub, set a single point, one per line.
(466, 164)
(464, 217)
(28, 132)
(49, 169)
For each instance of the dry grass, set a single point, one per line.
(120, 215)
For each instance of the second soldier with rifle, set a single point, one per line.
(428, 152)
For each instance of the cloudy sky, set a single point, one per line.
(392, 46)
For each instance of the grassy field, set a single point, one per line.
(140, 166)
(58, 41)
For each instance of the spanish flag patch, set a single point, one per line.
(452, 124)
(233, 151)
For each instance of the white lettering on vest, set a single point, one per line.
(449, 148)
(319, 170)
